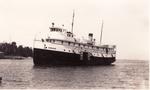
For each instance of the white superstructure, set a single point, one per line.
(61, 40)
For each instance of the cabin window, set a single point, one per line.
(65, 43)
(90, 47)
(59, 30)
(111, 50)
(100, 49)
(68, 43)
(56, 29)
(68, 35)
(104, 50)
(61, 42)
(58, 42)
(73, 51)
(53, 41)
(76, 44)
(86, 46)
(72, 44)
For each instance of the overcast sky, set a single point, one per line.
(125, 22)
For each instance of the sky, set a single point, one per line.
(125, 22)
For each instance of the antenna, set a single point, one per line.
(101, 33)
(72, 22)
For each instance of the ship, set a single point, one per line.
(61, 47)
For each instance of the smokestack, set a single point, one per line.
(90, 36)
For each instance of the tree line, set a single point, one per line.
(13, 49)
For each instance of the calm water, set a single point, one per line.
(124, 74)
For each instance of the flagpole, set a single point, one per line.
(72, 22)
(101, 33)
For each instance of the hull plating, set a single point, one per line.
(48, 57)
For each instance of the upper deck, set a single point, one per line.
(61, 36)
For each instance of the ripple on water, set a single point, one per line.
(125, 74)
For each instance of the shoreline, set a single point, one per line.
(13, 57)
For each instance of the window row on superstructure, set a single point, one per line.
(81, 45)
(56, 29)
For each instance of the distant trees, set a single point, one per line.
(12, 49)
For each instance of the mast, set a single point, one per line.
(72, 22)
(101, 33)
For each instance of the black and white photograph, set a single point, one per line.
(74, 44)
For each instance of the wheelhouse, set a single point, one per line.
(55, 29)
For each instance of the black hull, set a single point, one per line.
(48, 57)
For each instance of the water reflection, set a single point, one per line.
(71, 76)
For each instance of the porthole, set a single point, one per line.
(53, 41)
(73, 51)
